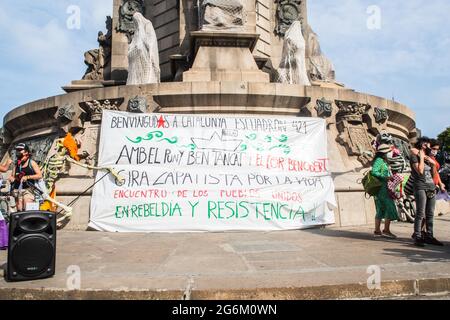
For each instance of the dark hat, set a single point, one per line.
(22, 146)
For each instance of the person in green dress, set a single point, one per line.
(386, 208)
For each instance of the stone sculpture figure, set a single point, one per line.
(143, 55)
(126, 12)
(320, 68)
(98, 59)
(221, 14)
(292, 68)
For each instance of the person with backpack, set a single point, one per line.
(25, 173)
(423, 173)
(384, 204)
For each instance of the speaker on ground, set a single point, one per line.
(32, 246)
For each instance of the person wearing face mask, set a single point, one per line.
(423, 170)
(25, 172)
(435, 146)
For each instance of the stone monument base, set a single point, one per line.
(223, 56)
(36, 124)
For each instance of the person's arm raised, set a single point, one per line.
(420, 166)
(4, 168)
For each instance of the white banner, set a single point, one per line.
(212, 173)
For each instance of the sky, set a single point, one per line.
(394, 49)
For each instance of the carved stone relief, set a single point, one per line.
(137, 105)
(95, 108)
(40, 147)
(381, 115)
(66, 113)
(353, 131)
(70, 116)
(126, 12)
(288, 11)
(324, 108)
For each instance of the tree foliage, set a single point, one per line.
(444, 138)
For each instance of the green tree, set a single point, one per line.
(444, 138)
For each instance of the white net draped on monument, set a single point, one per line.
(143, 55)
(292, 68)
(221, 14)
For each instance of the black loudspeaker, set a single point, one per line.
(32, 246)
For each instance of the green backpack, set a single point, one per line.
(371, 184)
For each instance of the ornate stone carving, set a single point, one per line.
(381, 115)
(98, 59)
(96, 107)
(221, 14)
(351, 111)
(288, 11)
(137, 105)
(126, 12)
(40, 147)
(66, 113)
(70, 116)
(353, 132)
(324, 108)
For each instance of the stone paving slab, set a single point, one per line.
(308, 264)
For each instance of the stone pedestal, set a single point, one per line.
(224, 56)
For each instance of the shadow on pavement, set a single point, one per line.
(429, 253)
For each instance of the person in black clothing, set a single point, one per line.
(25, 172)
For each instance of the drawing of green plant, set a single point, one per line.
(263, 146)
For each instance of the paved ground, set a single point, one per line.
(309, 264)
